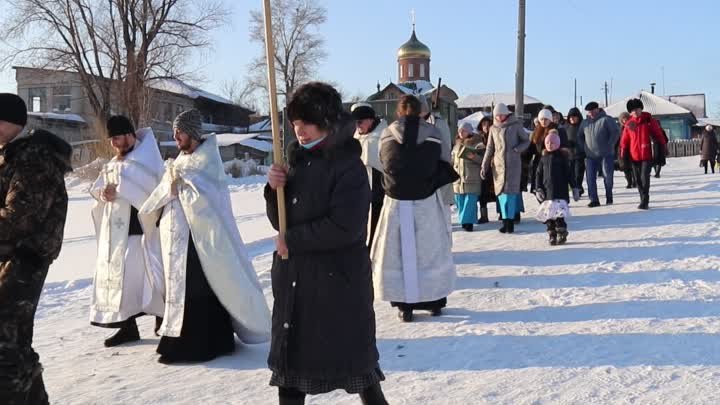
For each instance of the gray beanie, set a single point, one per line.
(190, 122)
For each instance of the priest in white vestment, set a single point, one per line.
(213, 292)
(128, 278)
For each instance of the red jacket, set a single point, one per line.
(637, 136)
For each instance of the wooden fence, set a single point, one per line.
(684, 147)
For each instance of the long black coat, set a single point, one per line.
(554, 176)
(323, 323)
(708, 146)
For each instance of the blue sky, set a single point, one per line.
(473, 45)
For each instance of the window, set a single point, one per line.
(400, 71)
(62, 97)
(411, 70)
(169, 112)
(422, 70)
(37, 97)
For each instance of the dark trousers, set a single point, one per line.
(630, 177)
(642, 176)
(607, 165)
(705, 164)
(22, 276)
(577, 167)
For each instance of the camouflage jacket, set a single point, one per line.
(33, 199)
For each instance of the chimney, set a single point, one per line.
(652, 88)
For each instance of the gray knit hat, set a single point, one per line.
(190, 122)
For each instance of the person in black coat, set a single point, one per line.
(577, 162)
(708, 148)
(552, 182)
(323, 324)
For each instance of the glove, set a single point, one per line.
(576, 194)
(540, 195)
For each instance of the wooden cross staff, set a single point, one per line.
(272, 92)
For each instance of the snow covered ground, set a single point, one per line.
(627, 313)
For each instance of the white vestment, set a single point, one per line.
(202, 209)
(128, 273)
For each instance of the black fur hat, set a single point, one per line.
(316, 103)
(635, 103)
(119, 125)
(13, 109)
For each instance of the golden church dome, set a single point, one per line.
(413, 48)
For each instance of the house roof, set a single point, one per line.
(705, 121)
(474, 119)
(177, 86)
(59, 117)
(652, 103)
(693, 102)
(490, 99)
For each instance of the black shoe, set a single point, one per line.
(657, 176)
(126, 334)
(436, 312)
(517, 218)
(406, 315)
(467, 227)
(643, 206)
(483, 220)
(511, 227)
(158, 324)
(608, 201)
(562, 236)
(629, 186)
(594, 204)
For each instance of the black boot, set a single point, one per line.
(128, 333)
(517, 218)
(608, 201)
(405, 315)
(511, 226)
(483, 216)
(373, 395)
(291, 396)
(436, 311)
(467, 227)
(644, 202)
(505, 226)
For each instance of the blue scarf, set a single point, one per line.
(313, 143)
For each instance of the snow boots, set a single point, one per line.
(467, 227)
(128, 333)
(561, 229)
(557, 231)
(483, 216)
(405, 315)
(508, 226)
(552, 232)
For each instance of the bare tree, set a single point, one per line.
(241, 94)
(118, 47)
(299, 48)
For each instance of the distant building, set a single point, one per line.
(413, 62)
(57, 101)
(473, 103)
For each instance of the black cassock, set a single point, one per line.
(207, 330)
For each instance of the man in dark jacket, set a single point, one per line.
(33, 206)
(599, 134)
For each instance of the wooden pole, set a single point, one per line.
(274, 114)
(520, 73)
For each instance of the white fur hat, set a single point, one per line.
(546, 114)
(501, 109)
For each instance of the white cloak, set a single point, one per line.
(370, 144)
(128, 274)
(202, 209)
(412, 253)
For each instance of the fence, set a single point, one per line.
(684, 147)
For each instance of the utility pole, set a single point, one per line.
(575, 94)
(605, 88)
(520, 73)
